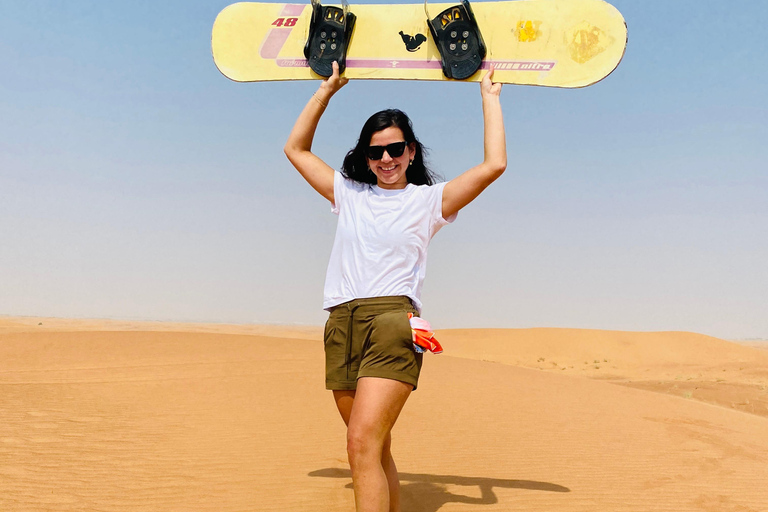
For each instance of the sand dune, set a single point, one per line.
(684, 364)
(116, 416)
(42, 324)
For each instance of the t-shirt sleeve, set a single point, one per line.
(344, 191)
(435, 202)
(339, 191)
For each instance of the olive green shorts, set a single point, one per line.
(370, 338)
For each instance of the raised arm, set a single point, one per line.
(462, 190)
(298, 148)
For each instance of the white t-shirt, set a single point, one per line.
(381, 240)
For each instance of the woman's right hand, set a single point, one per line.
(332, 84)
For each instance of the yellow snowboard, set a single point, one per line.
(556, 43)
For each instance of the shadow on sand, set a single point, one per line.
(427, 493)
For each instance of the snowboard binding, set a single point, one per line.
(458, 40)
(329, 33)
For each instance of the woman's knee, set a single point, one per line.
(363, 443)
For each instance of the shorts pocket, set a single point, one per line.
(329, 331)
(391, 354)
(392, 332)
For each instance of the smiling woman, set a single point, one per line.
(387, 139)
(389, 161)
(389, 207)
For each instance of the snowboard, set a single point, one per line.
(554, 43)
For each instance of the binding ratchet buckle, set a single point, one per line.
(458, 40)
(329, 33)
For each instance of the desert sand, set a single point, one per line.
(137, 416)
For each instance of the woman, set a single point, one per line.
(389, 208)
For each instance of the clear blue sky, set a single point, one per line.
(137, 182)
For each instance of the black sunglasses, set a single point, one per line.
(394, 150)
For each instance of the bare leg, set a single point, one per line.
(376, 406)
(393, 480)
(344, 402)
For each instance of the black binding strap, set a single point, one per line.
(458, 40)
(329, 33)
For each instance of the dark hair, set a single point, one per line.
(355, 165)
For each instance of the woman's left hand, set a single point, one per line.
(487, 86)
